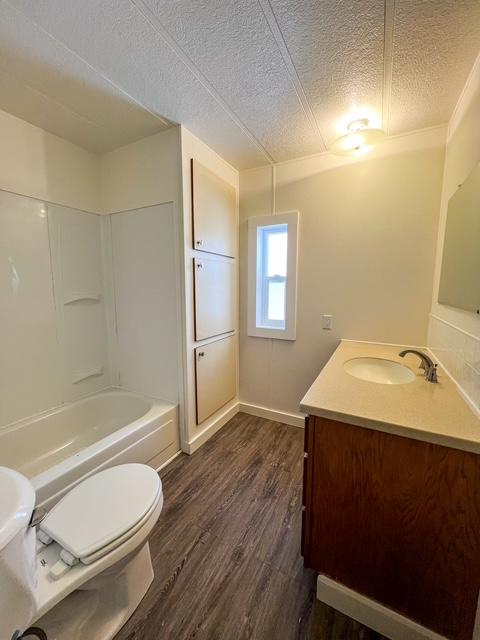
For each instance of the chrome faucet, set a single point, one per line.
(426, 363)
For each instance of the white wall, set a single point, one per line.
(193, 435)
(367, 235)
(147, 332)
(454, 335)
(39, 164)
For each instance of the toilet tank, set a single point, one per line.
(17, 554)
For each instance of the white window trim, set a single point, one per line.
(289, 332)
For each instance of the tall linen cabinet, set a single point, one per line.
(210, 245)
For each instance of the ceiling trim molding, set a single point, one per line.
(166, 123)
(427, 137)
(271, 19)
(157, 26)
(432, 140)
(389, 32)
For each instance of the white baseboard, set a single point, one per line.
(196, 442)
(370, 613)
(296, 420)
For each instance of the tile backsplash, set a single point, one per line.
(459, 353)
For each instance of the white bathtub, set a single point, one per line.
(59, 448)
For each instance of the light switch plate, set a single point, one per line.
(327, 322)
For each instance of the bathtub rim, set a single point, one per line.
(111, 390)
(157, 411)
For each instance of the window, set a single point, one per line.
(272, 275)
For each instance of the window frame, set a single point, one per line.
(257, 281)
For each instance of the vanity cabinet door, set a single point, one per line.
(214, 212)
(216, 376)
(307, 484)
(214, 288)
(396, 520)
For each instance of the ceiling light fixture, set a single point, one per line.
(359, 140)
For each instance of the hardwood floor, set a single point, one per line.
(226, 549)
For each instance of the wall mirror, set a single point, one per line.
(460, 274)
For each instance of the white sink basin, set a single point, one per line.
(379, 370)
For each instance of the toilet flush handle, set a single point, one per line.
(37, 516)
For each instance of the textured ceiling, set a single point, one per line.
(258, 80)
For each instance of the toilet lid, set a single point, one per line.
(102, 508)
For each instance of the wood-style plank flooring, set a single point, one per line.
(226, 549)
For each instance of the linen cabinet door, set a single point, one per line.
(214, 282)
(216, 376)
(214, 212)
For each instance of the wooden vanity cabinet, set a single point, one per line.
(396, 520)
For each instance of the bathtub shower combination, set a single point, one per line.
(59, 448)
(86, 389)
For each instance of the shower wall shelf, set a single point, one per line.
(80, 376)
(82, 297)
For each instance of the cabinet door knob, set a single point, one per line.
(199, 243)
(199, 265)
(201, 354)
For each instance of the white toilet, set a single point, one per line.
(84, 569)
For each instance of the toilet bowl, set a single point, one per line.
(84, 569)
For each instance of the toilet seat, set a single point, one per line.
(113, 569)
(103, 511)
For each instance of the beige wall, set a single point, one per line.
(366, 255)
(454, 335)
(41, 165)
(142, 173)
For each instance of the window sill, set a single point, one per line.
(270, 332)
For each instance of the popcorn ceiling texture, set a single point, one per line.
(337, 49)
(435, 45)
(257, 80)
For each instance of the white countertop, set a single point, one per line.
(421, 410)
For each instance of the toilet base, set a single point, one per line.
(100, 607)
